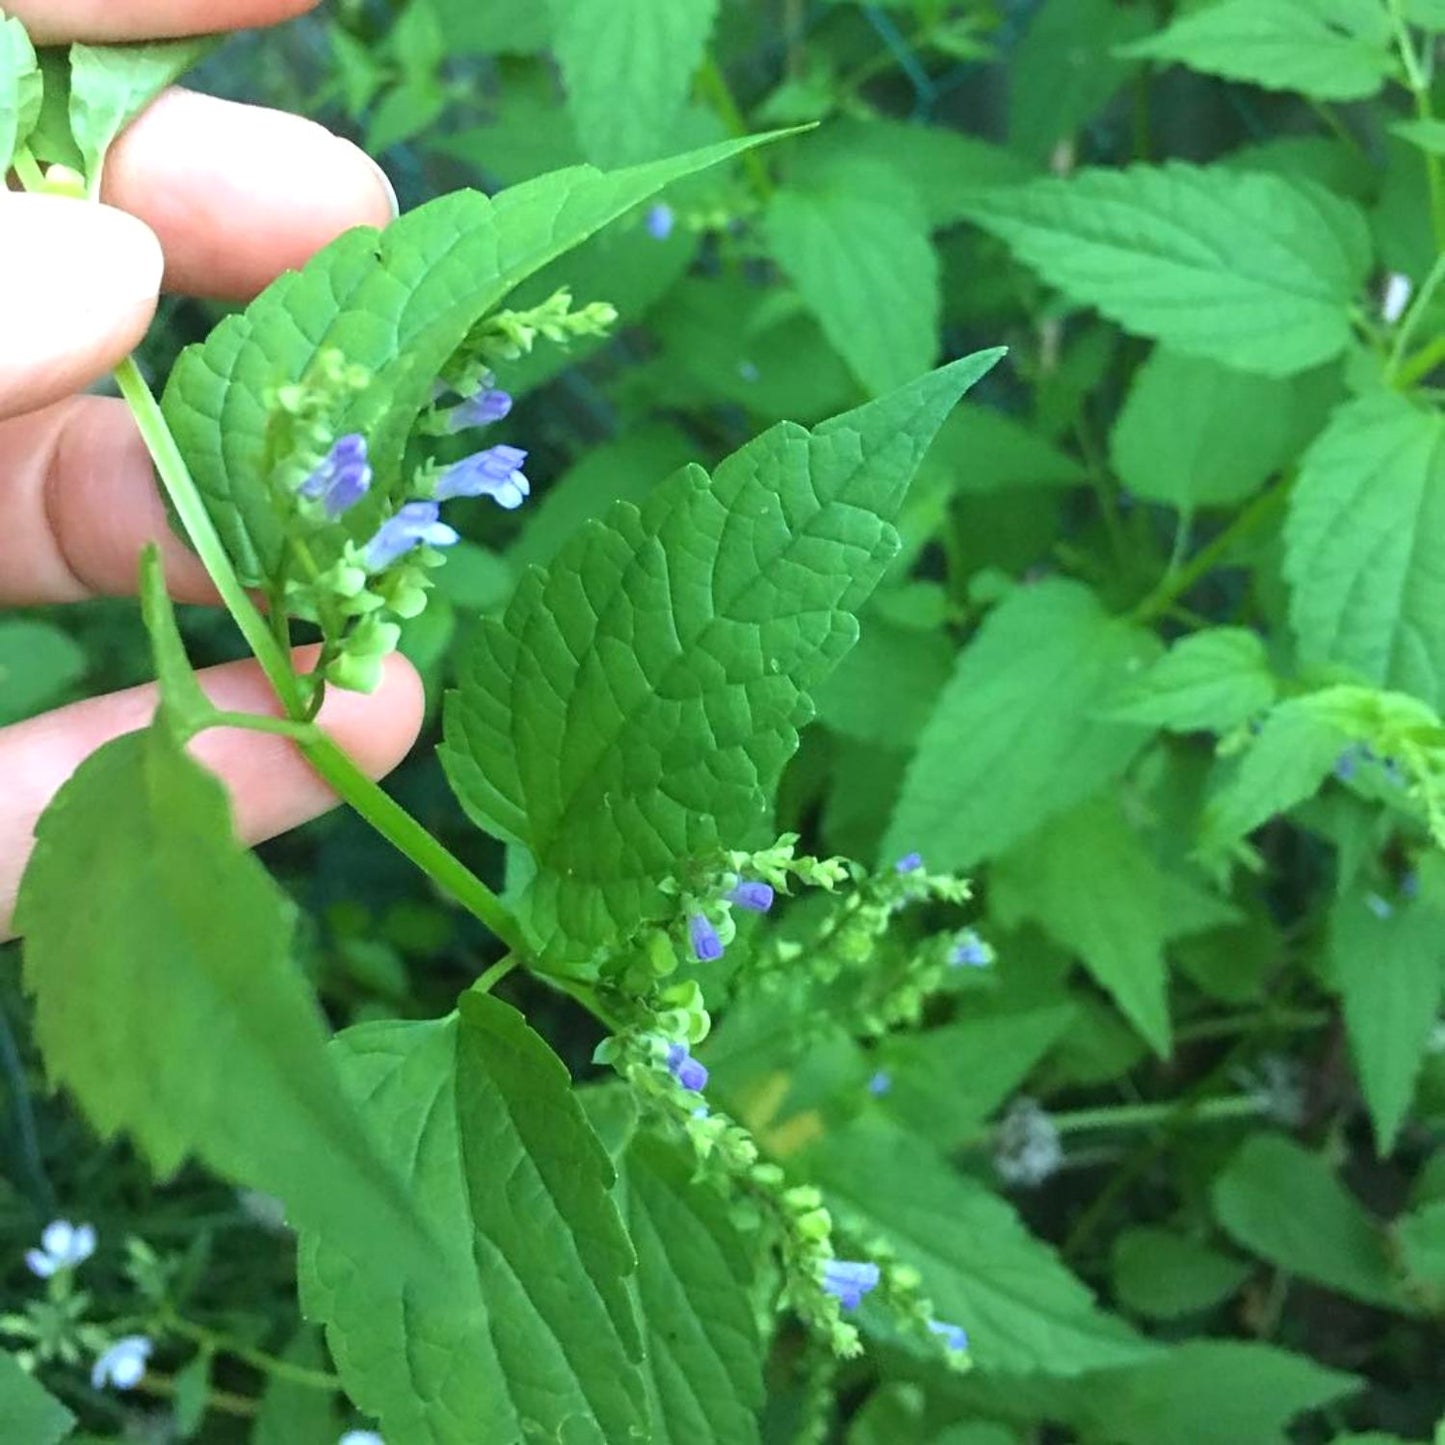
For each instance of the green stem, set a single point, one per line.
(412, 840)
(26, 167)
(495, 974)
(1180, 583)
(713, 84)
(1419, 86)
(1419, 366)
(181, 489)
(1143, 1116)
(1398, 365)
(254, 722)
(221, 1344)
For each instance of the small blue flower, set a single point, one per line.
(342, 477)
(954, 1336)
(909, 863)
(494, 473)
(880, 1083)
(123, 1364)
(416, 524)
(487, 406)
(849, 1280)
(361, 1437)
(660, 221)
(757, 897)
(686, 1069)
(970, 951)
(63, 1245)
(706, 945)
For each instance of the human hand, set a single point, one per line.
(220, 198)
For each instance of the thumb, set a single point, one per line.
(78, 287)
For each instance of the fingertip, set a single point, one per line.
(78, 288)
(239, 194)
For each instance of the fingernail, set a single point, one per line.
(387, 186)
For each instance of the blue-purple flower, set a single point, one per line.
(63, 1245)
(660, 221)
(969, 951)
(123, 1364)
(752, 895)
(848, 1280)
(361, 1437)
(954, 1336)
(417, 524)
(488, 405)
(341, 478)
(685, 1069)
(706, 945)
(494, 473)
(880, 1083)
(909, 863)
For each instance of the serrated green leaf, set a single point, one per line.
(628, 66)
(884, 690)
(28, 1412)
(1216, 679)
(1283, 1203)
(635, 706)
(111, 84)
(158, 954)
(1390, 971)
(857, 248)
(1087, 879)
(704, 1369)
(536, 1338)
(1326, 49)
(1367, 585)
(1165, 1275)
(38, 665)
(1250, 270)
(1207, 1392)
(400, 304)
(943, 167)
(1016, 738)
(1024, 1312)
(1293, 753)
(21, 89)
(1193, 433)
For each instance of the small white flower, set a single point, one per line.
(1398, 291)
(361, 1437)
(63, 1246)
(123, 1364)
(1027, 1149)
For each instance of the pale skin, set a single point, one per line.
(205, 197)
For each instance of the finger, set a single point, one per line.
(80, 502)
(238, 194)
(78, 286)
(49, 21)
(272, 787)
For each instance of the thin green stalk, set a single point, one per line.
(1397, 365)
(1419, 366)
(408, 837)
(713, 84)
(1143, 1116)
(1418, 83)
(255, 722)
(1180, 583)
(176, 479)
(495, 974)
(26, 167)
(222, 1344)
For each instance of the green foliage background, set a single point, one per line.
(1160, 664)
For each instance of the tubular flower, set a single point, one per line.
(686, 1069)
(416, 524)
(706, 945)
(494, 473)
(849, 1280)
(754, 896)
(342, 477)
